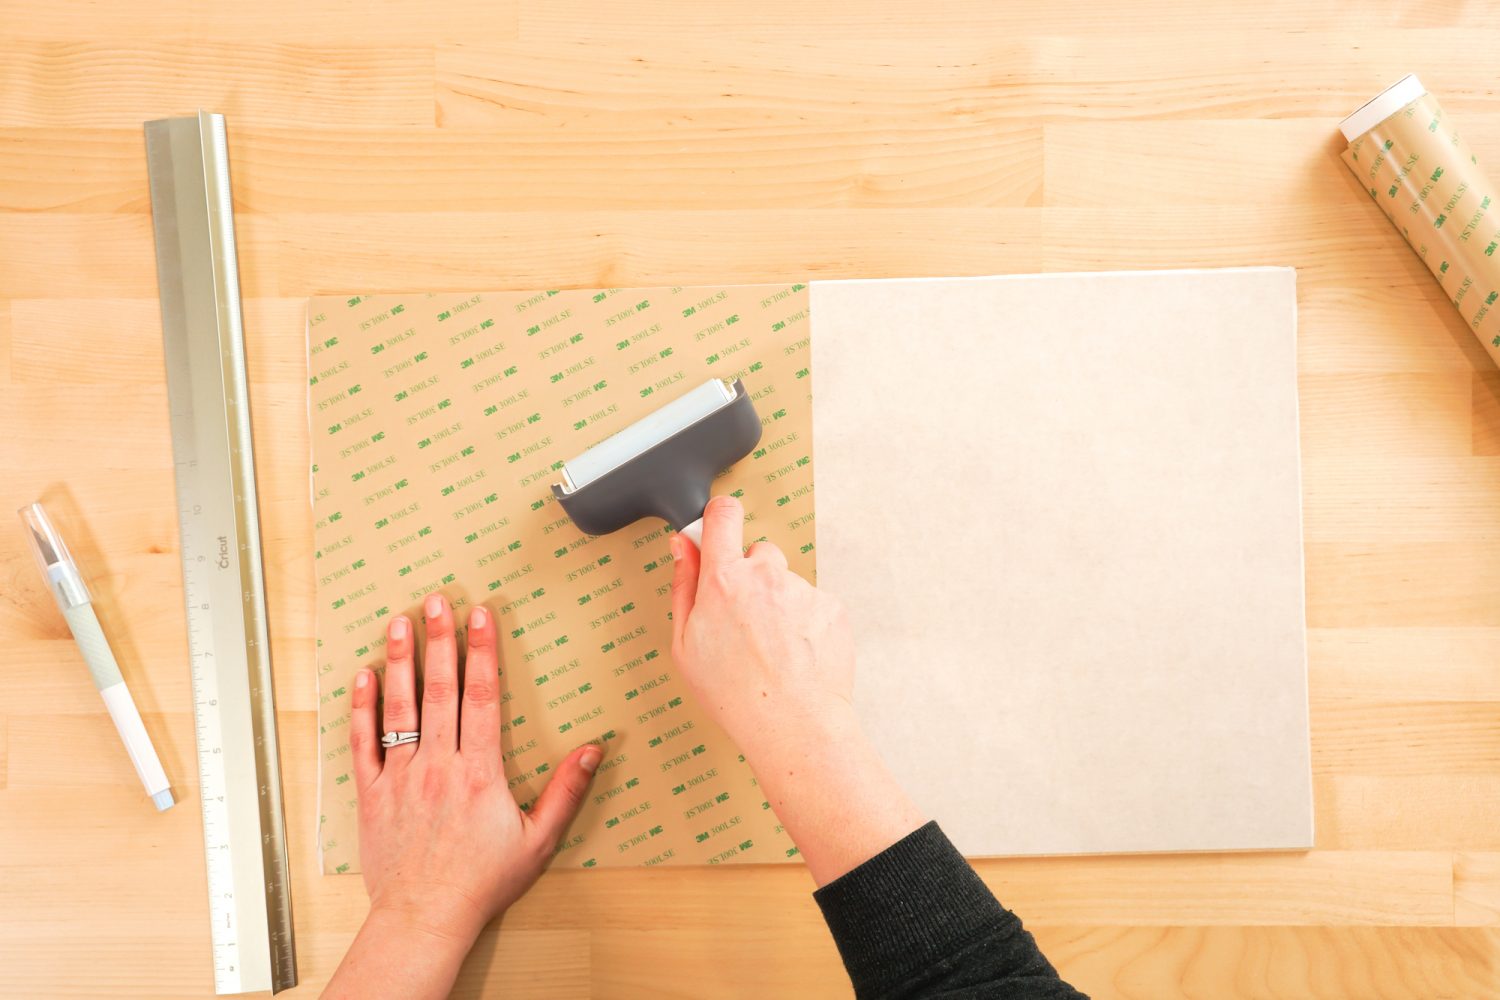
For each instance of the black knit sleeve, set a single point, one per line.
(917, 921)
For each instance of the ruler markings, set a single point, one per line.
(223, 577)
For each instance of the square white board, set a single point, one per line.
(1065, 513)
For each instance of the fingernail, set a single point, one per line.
(434, 605)
(398, 629)
(362, 679)
(676, 546)
(479, 618)
(589, 759)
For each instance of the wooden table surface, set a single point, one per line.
(520, 143)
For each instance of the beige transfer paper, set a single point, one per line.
(1073, 552)
(439, 423)
(1427, 181)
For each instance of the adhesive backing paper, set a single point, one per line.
(439, 423)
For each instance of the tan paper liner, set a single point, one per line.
(439, 422)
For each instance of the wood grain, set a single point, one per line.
(93, 84)
(1272, 963)
(520, 144)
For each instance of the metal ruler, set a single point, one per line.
(244, 829)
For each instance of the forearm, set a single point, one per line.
(917, 921)
(830, 789)
(397, 957)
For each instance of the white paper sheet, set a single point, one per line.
(1065, 513)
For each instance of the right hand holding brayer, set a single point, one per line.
(771, 659)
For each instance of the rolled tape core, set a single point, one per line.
(1380, 107)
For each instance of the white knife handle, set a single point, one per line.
(106, 672)
(137, 743)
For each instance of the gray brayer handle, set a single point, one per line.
(670, 478)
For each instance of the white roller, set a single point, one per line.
(693, 532)
(647, 432)
(1380, 107)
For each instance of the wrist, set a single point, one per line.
(794, 732)
(830, 788)
(400, 953)
(432, 912)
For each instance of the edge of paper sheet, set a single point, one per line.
(1030, 275)
(1312, 798)
(307, 405)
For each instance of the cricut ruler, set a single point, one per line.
(244, 829)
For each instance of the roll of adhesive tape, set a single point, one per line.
(1416, 167)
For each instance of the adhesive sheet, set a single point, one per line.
(1072, 552)
(439, 423)
(1428, 182)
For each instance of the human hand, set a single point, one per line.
(442, 843)
(767, 654)
(771, 659)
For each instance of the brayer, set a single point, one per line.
(663, 464)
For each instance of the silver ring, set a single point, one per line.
(395, 739)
